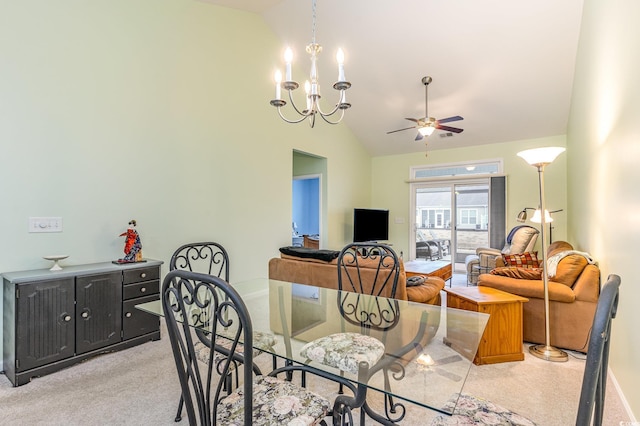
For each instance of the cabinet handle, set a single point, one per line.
(85, 314)
(128, 315)
(67, 318)
(143, 289)
(143, 275)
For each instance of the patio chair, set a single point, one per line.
(209, 304)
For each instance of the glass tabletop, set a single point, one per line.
(429, 349)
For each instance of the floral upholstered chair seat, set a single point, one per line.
(275, 402)
(344, 351)
(262, 342)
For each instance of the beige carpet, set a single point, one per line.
(139, 387)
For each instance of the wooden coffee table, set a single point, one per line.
(431, 268)
(502, 338)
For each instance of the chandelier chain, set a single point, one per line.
(313, 21)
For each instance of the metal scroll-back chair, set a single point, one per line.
(363, 269)
(208, 303)
(212, 259)
(594, 381)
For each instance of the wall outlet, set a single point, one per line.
(45, 224)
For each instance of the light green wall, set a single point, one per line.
(390, 175)
(603, 137)
(156, 110)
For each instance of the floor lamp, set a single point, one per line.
(539, 158)
(522, 216)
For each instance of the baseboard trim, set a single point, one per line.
(625, 404)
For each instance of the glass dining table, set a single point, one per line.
(428, 350)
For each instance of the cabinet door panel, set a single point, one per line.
(98, 311)
(136, 323)
(45, 323)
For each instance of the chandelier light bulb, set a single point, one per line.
(278, 79)
(288, 58)
(340, 59)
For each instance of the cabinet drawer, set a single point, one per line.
(136, 322)
(141, 289)
(142, 274)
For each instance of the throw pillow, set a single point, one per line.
(522, 260)
(520, 273)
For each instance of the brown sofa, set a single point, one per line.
(320, 273)
(324, 274)
(573, 296)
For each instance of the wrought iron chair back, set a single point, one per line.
(594, 381)
(192, 299)
(368, 268)
(206, 257)
(370, 313)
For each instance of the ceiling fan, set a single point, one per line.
(427, 125)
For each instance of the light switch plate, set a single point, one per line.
(45, 224)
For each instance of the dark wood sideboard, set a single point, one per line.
(54, 319)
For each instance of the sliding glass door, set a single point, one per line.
(472, 220)
(451, 219)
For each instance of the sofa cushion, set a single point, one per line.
(428, 292)
(528, 288)
(520, 273)
(569, 269)
(558, 246)
(522, 260)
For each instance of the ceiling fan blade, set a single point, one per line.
(415, 120)
(449, 129)
(419, 137)
(450, 119)
(399, 130)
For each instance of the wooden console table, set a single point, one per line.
(502, 338)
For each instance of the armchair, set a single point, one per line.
(521, 239)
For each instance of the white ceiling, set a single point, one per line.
(505, 66)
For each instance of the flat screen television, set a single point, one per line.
(370, 225)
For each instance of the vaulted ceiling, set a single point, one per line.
(505, 66)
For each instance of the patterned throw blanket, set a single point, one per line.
(552, 261)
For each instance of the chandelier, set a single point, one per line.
(311, 86)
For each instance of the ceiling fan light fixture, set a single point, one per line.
(426, 130)
(427, 125)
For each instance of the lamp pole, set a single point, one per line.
(540, 158)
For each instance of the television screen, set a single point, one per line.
(370, 225)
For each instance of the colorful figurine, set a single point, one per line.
(132, 244)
